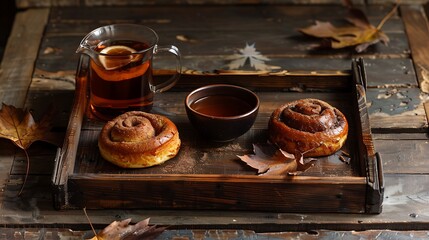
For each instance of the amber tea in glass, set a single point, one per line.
(122, 83)
(120, 76)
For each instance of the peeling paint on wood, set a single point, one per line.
(397, 108)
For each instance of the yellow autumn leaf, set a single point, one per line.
(360, 34)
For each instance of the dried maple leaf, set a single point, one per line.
(269, 160)
(123, 230)
(361, 35)
(256, 59)
(19, 126)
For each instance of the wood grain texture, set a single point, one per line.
(188, 234)
(217, 192)
(47, 3)
(406, 157)
(405, 202)
(24, 4)
(16, 71)
(389, 68)
(20, 55)
(417, 31)
(406, 182)
(7, 152)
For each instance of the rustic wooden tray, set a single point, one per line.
(206, 175)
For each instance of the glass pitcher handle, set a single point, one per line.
(169, 83)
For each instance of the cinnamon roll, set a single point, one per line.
(309, 126)
(138, 139)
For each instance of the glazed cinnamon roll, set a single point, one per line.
(137, 139)
(309, 126)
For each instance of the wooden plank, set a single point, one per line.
(405, 201)
(187, 234)
(42, 156)
(400, 136)
(405, 157)
(7, 152)
(39, 102)
(390, 73)
(230, 193)
(416, 26)
(23, 4)
(397, 110)
(47, 3)
(20, 55)
(216, 17)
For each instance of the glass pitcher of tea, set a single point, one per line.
(120, 74)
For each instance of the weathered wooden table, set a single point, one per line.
(39, 68)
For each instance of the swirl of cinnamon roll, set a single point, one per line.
(138, 139)
(309, 126)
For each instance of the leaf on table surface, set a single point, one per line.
(360, 34)
(270, 160)
(123, 230)
(19, 126)
(249, 53)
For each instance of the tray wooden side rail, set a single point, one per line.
(373, 164)
(207, 175)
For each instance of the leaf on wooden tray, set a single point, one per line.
(249, 53)
(360, 34)
(19, 126)
(270, 160)
(123, 230)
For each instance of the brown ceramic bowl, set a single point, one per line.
(222, 112)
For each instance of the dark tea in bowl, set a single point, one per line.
(222, 112)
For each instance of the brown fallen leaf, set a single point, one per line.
(270, 160)
(19, 126)
(123, 230)
(361, 34)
